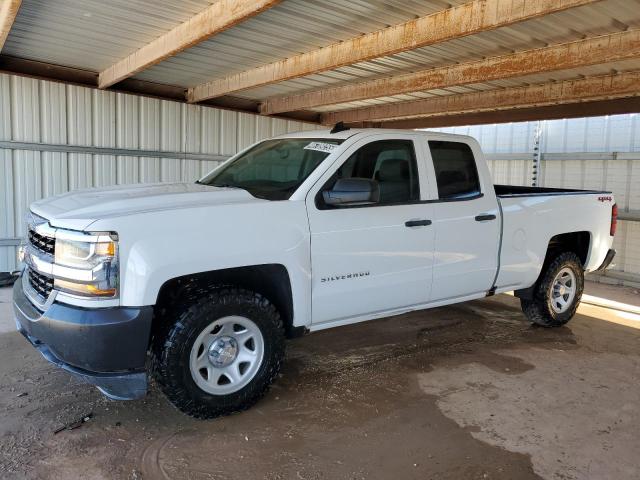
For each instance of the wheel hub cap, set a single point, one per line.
(223, 351)
(226, 355)
(563, 290)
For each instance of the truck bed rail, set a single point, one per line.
(523, 191)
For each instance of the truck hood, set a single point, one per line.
(77, 210)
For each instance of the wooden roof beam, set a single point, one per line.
(470, 18)
(581, 53)
(569, 91)
(8, 12)
(216, 18)
(566, 110)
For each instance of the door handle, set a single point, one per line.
(417, 223)
(485, 217)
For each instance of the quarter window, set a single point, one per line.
(456, 172)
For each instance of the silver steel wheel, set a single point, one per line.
(226, 355)
(563, 290)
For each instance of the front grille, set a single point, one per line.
(40, 283)
(42, 243)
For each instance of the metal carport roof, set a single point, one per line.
(322, 59)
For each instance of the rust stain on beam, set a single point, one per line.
(8, 12)
(467, 19)
(569, 91)
(218, 17)
(568, 110)
(581, 53)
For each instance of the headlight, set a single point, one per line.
(86, 265)
(80, 254)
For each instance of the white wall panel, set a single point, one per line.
(227, 132)
(38, 111)
(149, 124)
(499, 138)
(555, 136)
(27, 178)
(210, 128)
(621, 132)
(617, 179)
(247, 130)
(127, 136)
(79, 132)
(53, 129)
(615, 133)
(597, 134)
(551, 174)
(25, 118)
(5, 107)
(104, 135)
(7, 207)
(631, 248)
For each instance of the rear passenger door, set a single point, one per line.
(378, 257)
(466, 221)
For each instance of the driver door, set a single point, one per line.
(371, 259)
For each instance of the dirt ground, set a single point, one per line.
(463, 392)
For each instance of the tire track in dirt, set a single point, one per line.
(150, 465)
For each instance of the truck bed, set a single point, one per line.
(505, 191)
(532, 216)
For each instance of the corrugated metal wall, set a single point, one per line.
(594, 153)
(35, 111)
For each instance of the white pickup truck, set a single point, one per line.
(200, 283)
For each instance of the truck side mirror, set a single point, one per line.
(353, 192)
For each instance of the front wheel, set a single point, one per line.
(558, 293)
(221, 354)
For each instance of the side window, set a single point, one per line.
(455, 167)
(392, 163)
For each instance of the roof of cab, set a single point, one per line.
(344, 134)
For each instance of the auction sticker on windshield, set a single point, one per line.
(321, 147)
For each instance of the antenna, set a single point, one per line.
(339, 127)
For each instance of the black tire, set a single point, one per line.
(539, 310)
(171, 351)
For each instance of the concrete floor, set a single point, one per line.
(464, 392)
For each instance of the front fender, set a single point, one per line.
(160, 246)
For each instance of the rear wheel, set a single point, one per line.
(558, 292)
(221, 354)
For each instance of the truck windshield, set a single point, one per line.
(273, 169)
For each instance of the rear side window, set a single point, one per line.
(456, 172)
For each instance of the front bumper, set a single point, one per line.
(106, 347)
